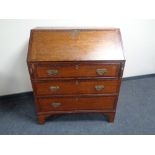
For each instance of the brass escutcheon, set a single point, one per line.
(77, 66)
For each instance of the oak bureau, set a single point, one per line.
(75, 70)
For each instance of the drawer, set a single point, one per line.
(70, 87)
(76, 103)
(77, 70)
(96, 103)
(98, 86)
(55, 87)
(56, 104)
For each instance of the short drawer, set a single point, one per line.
(69, 87)
(76, 103)
(77, 70)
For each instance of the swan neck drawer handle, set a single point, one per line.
(99, 87)
(101, 71)
(55, 104)
(54, 88)
(52, 72)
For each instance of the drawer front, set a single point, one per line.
(77, 70)
(56, 88)
(96, 103)
(98, 86)
(77, 103)
(56, 104)
(69, 87)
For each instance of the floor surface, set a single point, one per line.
(135, 115)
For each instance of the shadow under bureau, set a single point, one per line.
(75, 70)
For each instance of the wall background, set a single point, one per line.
(138, 40)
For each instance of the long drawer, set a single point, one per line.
(77, 103)
(77, 70)
(69, 87)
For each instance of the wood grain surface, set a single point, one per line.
(78, 70)
(78, 103)
(72, 87)
(75, 70)
(75, 45)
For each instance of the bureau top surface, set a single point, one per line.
(75, 45)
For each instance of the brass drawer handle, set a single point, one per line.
(101, 71)
(99, 87)
(54, 88)
(55, 104)
(52, 72)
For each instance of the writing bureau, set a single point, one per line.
(75, 70)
